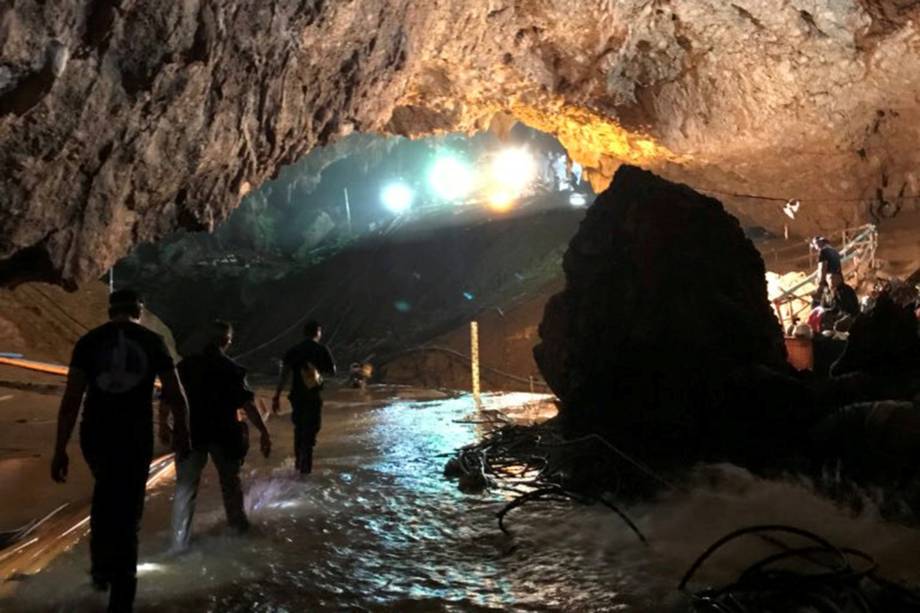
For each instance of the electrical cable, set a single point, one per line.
(555, 493)
(281, 334)
(779, 199)
(83, 327)
(465, 358)
(763, 587)
(731, 536)
(635, 463)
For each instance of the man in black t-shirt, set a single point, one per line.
(216, 388)
(304, 364)
(829, 261)
(115, 367)
(840, 304)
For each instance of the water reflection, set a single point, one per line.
(378, 527)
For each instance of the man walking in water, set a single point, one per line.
(304, 364)
(216, 388)
(115, 366)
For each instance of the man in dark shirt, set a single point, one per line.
(216, 388)
(115, 366)
(829, 261)
(303, 365)
(839, 302)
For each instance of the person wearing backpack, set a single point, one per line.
(304, 365)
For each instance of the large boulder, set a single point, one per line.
(664, 311)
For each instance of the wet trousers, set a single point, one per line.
(188, 476)
(120, 464)
(307, 417)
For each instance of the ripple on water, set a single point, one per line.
(378, 527)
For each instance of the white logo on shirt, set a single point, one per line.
(124, 366)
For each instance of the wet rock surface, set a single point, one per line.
(665, 298)
(663, 341)
(120, 122)
(883, 343)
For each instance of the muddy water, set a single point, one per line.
(378, 528)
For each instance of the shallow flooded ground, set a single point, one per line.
(377, 527)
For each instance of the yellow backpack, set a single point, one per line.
(310, 376)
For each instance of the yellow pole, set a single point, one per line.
(474, 360)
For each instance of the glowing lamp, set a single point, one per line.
(450, 178)
(514, 168)
(397, 198)
(500, 199)
(577, 199)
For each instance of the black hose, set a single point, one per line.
(558, 494)
(762, 587)
(753, 530)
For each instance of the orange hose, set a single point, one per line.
(51, 369)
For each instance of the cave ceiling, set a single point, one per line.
(122, 120)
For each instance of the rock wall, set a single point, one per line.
(43, 322)
(121, 120)
(665, 300)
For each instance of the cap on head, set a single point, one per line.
(125, 302)
(818, 241)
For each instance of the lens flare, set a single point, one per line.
(451, 178)
(514, 169)
(500, 200)
(397, 198)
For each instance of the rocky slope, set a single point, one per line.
(43, 322)
(122, 120)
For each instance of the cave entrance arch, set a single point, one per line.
(394, 242)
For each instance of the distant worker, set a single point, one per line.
(115, 366)
(829, 261)
(561, 170)
(839, 302)
(216, 387)
(577, 170)
(359, 373)
(304, 365)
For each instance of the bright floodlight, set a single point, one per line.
(450, 178)
(514, 168)
(577, 199)
(500, 200)
(397, 197)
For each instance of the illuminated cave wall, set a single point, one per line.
(121, 121)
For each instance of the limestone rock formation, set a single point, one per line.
(123, 120)
(665, 303)
(884, 343)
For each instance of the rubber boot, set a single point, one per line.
(121, 597)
